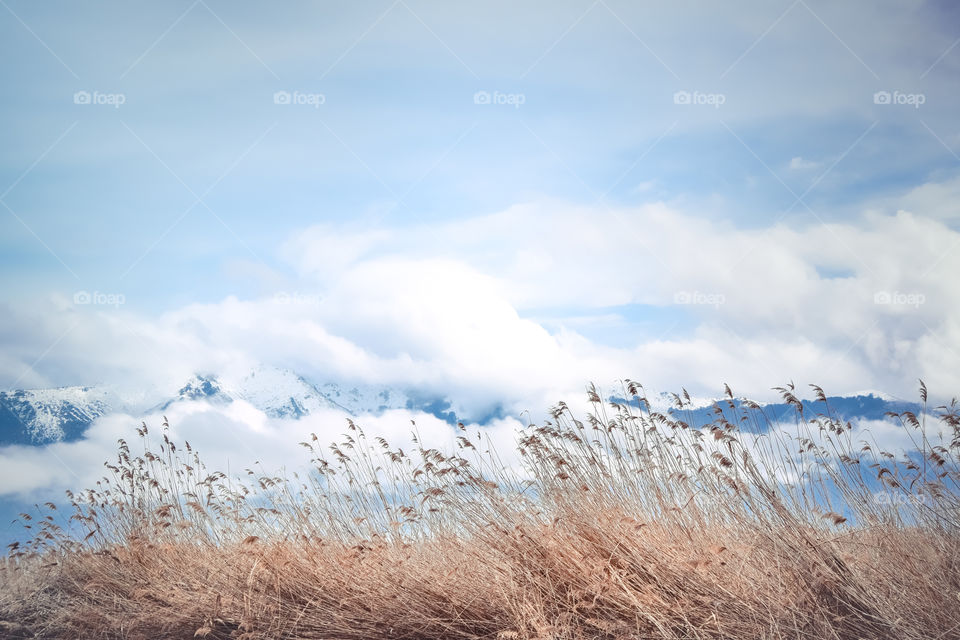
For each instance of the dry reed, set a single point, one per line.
(630, 524)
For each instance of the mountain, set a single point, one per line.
(360, 399)
(864, 406)
(281, 393)
(199, 387)
(41, 416)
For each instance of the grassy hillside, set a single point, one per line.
(623, 523)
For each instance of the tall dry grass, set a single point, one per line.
(629, 524)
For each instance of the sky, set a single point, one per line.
(496, 202)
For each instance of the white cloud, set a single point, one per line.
(444, 309)
(766, 297)
(799, 164)
(644, 187)
(940, 200)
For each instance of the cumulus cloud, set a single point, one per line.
(451, 309)
(833, 301)
(935, 199)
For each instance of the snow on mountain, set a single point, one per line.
(858, 407)
(281, 393)
(206, 388)
(366, 399)
(40, 416)
(34, 417)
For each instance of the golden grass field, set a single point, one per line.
(624, 523)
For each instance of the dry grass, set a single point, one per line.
(632, 524)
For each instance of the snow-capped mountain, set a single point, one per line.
(360, 399)
(40, 416)
(869, 405)
(203, 388)
(279, 393)
(36, 417)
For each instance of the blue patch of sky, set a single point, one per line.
(623, 325)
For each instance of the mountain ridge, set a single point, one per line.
(62, 414)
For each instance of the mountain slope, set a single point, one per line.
(281, 393)
(41, 416)
(864, 406)
(361, 399)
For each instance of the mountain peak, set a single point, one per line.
(201, 387)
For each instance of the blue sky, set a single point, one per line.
(586, 223)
